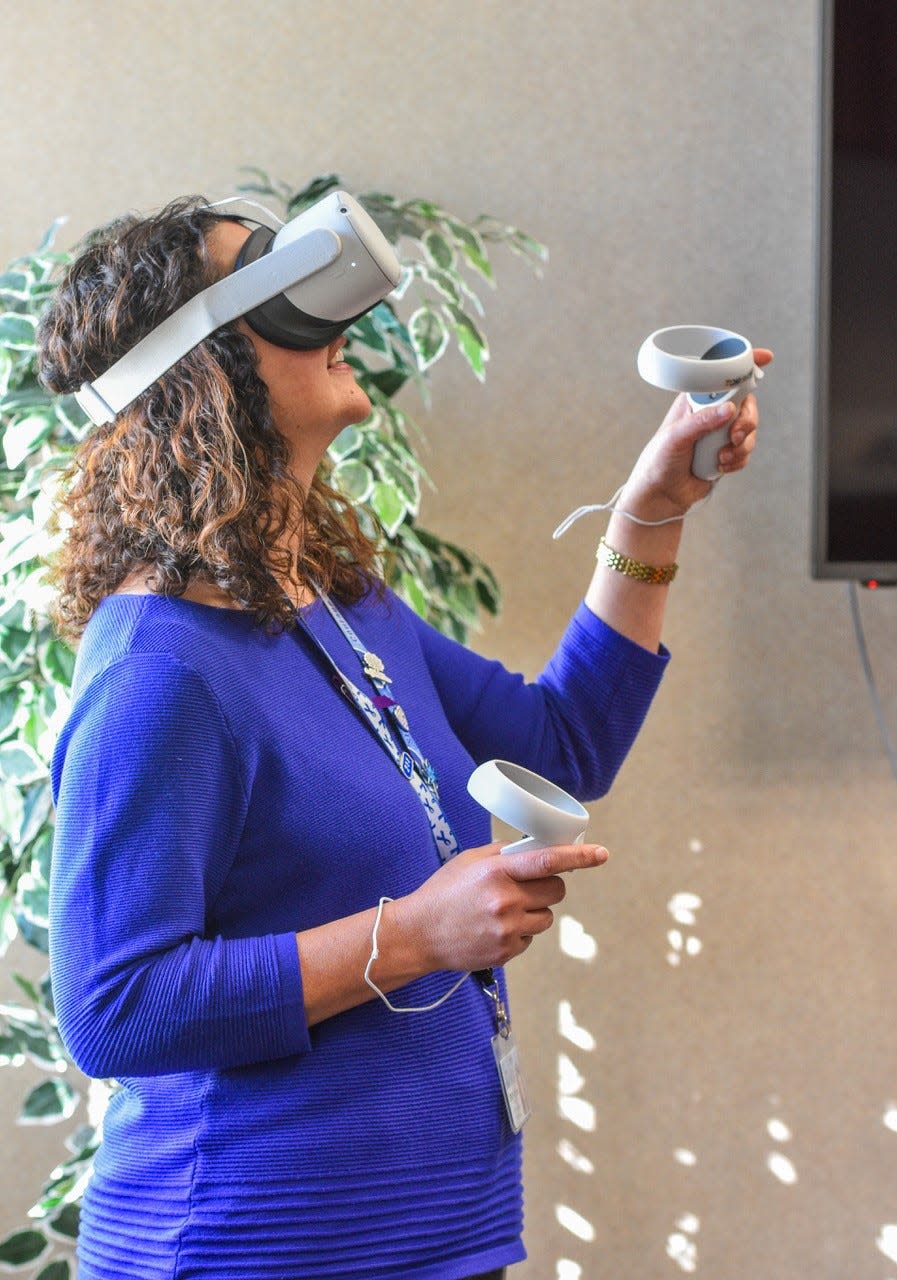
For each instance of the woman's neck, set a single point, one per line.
(201, 591)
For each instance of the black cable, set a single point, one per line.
(870, 678)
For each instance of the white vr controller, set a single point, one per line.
(331, 263)
(711, 366)
(525, 800)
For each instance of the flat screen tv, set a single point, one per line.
(855, 501)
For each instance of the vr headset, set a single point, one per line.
(299, 287)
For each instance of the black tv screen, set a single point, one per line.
(855, 508)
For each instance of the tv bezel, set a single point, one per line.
(823, 567)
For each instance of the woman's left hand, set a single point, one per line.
(661, 483)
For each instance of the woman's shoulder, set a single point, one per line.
(152, 633)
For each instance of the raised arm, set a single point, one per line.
(662, 486)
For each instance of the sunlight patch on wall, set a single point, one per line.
(887, 1240)
(683, 907)
(579, 946)
(570, 1082)
(570, 1029)
(778, 1164)
(579, 1111)
(568, 1270)
(681, 1245)
(575, 941)
(571, 1154)
(778, 1130)
(575, 1223)
(782, 1168)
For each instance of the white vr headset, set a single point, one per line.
(299, 287)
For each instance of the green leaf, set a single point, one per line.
(414, 594)
(354, 479)
(463, 599)
(20, 764)
(46, 994)
(38, 936)
(48, 1103)
(23, 437)
(446, 283)
(439, 250)
(313, 191)
(368, 332)
(12, 811)
(472, 248)
(8, 932)
(26, 986)
(403, 476)
(9, 705)
(11, 1050)
(22, 1247)
(45, 467)
(67, 1221)
(389, 381)
(14, 644)
(389, 507)
(429, 336)
(471, 342)
(20, 542)
(6, 367)
(57, 663)
(55, 1271)
(50, 237)
(17, 331)
(38, 803)
(16, 284)
(32, 904)
(33, 1040)
(348, 441)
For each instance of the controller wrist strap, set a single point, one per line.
(610, 505)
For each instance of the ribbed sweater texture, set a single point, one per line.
(215, 794)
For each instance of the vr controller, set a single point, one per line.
(711, 366)
(299, 287)
(525, 800)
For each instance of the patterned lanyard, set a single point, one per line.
(408, 758)
(420, 773)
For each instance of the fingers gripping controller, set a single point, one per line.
(711, 366)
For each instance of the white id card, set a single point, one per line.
(512, 1087)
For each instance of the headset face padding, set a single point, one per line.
(280, 321)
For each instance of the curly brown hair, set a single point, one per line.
(191, 481)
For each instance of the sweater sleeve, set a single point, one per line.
(575, 723)
(150, 805)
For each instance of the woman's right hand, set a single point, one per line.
(482, 908)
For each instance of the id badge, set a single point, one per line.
(507, 1060)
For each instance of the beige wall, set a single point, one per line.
(666, 152)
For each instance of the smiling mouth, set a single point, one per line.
(336, 358)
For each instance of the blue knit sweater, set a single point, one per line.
(215, 795)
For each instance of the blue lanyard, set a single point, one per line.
(408, 758)
(411, 761)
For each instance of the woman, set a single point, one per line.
(246, 891)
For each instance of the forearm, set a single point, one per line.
(480, 909)
(636, 609)
(333, 958)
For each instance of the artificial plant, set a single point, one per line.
(375, 463)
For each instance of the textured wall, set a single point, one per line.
(714, 1075)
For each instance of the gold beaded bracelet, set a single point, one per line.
(634, 568)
